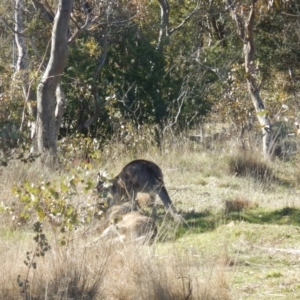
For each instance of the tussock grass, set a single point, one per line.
(250, 164)
(238, 204)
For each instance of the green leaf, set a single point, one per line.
(262, 113)
(41, 213)
(63, 187)
(63, 242)
(89, 185)
(70, 210)
(54, 193)
(73, 182)
(88, 219)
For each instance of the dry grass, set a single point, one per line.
(144, 275)
(64, 272)
(90, 268)
(213, 256)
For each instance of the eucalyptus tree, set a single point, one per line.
(244, 18)
(46, 127)
(264, 23)
(50, 97)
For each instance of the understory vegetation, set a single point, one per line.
(239, 238)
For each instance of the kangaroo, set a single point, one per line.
(132, 226)
(138, 176)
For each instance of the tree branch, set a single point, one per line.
(164, 22)
(248, 39)
(4, 21)
(44, 10)
(184, 21)
(82, 28)
(237, 18)
(181, 96)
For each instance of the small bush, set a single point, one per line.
(246, 164)
(236, 205)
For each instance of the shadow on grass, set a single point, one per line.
(284, 216)
(200, 222)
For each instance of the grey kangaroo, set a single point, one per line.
(139, 176)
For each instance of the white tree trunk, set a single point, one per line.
(46, 126)
(245, 32)
(19, 38)
(60, 106)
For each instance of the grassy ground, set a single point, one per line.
(240, 238)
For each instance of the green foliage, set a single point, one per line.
(51, 202)
(138, 82)
(197, 72)
(78, 150)
(14, 145)
(20, 153)
(10, 116)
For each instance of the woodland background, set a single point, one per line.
(135, 68)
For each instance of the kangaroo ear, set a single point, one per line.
(102, 176)
(103, 173)
(107, 184)
(98, 177)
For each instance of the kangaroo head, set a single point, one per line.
(104, 185)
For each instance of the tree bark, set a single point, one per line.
(164, 23)
(46, 123)
(60, 106)
(245, 32)
(19, 38)
(21, 67)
